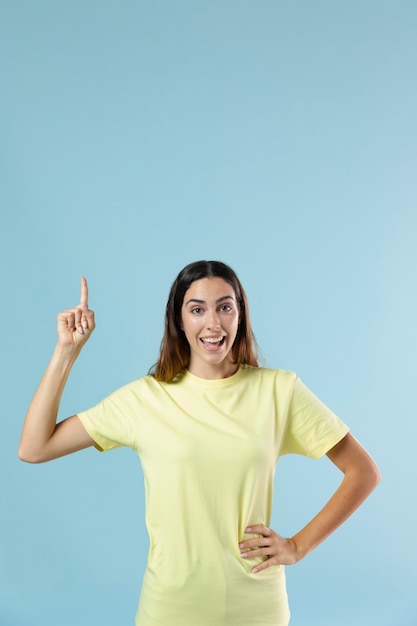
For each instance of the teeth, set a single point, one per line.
(212, 339)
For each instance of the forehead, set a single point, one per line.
(208, 289)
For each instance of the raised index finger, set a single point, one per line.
(84, 292)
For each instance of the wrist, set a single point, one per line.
(298, 549)
(66, 354)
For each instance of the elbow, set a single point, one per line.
(376, 475)
(28, 456)
(370, 476)
(22, 455)
(373, 472)
(365, 476)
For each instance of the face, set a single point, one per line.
(210, 319)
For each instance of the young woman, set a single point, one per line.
(209, 426)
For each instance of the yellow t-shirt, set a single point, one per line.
(209, 449)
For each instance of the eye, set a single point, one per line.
(196, 310)
(226, 308)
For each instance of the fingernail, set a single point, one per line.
(249, 530)
(255, 569)
(241, 545)
(244, 555)
(81, 330)
(85, 323)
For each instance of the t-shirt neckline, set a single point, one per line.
(214, 383)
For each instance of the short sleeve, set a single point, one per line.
(112, 423)
(312, 428)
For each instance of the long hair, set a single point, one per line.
(174, 354)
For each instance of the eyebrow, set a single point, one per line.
(197, 301)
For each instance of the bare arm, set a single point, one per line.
(361, 475)
(42, 438)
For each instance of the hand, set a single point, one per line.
(76, 325)
(277, 549)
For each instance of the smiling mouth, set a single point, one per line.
(213, 341)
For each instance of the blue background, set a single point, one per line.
(277, 136)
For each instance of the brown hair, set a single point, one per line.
(174, 355)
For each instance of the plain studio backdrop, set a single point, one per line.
(277, 136)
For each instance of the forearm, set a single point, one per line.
(42, 439)
(361, 476)
(42, 414)
(348, 497)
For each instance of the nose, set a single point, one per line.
(213, 320)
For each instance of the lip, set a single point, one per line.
(213, 346)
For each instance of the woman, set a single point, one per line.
(209, 426)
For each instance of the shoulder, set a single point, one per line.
(137, 388)
(267, 373)
(278, 378)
